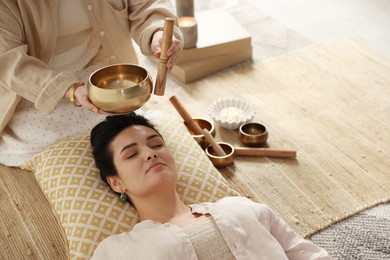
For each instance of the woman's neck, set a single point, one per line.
(167, 209)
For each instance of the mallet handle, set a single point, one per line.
(217, 148)
(161, 78)
(265, 152)
(195, 128)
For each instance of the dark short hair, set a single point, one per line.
(104, 133)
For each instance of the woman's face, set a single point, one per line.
(144, 163)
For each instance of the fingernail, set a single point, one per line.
(94, 110)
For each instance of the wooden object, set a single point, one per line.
(218, 33)
(218, 150)
(188, 120)
(188, 72)
(222, 42)
(266, 152)
(162, 64)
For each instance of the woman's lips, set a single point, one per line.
(154, 166)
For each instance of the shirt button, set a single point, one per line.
(102, 33)
(183, 243)
(113, 57)
(166, 225)
(89, 7)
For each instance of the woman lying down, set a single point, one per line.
(135, 161)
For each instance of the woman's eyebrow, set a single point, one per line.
(134, 144)
(153, 136)
(127, 147)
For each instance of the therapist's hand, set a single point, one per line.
(81, 97)
(173, 50)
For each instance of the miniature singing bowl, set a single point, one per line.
(203, 124)
(221, 161)
(120, 88)
(253, 134)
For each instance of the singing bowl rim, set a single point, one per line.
(201, 139)
(211, 130)
(250, 139)
(222, 161)
(145, 77)
(121, 94)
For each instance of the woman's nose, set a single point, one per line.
(150, 154)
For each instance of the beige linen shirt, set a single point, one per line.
(28, 33)
(251, 231)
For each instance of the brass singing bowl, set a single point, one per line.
(203, 124)
(253, 134)
(120, 88)
(221, 161)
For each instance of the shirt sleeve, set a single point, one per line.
(295, 246)
(101, 252)
(21, 72)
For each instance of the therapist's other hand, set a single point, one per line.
(173, 50)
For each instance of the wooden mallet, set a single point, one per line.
(217, 148)
(266, 152)
(161, 78)
(192, 125)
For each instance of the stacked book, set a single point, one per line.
(222, 42)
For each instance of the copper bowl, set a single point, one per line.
(221, 161)
(253, 134)
(203, 124)
(120, 88)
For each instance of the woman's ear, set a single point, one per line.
(115, 183)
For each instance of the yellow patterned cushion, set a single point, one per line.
(89, 211)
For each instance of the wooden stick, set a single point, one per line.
(194, 127)
(217, 148)
(265, 152)
(161, 78)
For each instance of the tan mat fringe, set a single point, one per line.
(30, 228)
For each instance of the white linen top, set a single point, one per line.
(251, 231)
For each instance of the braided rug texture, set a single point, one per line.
(364, 236)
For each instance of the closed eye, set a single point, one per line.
(131, 156)
(156, 142)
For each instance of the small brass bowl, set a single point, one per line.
(221, 161)
(203, 124)
(253, 134)
(120, 88)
